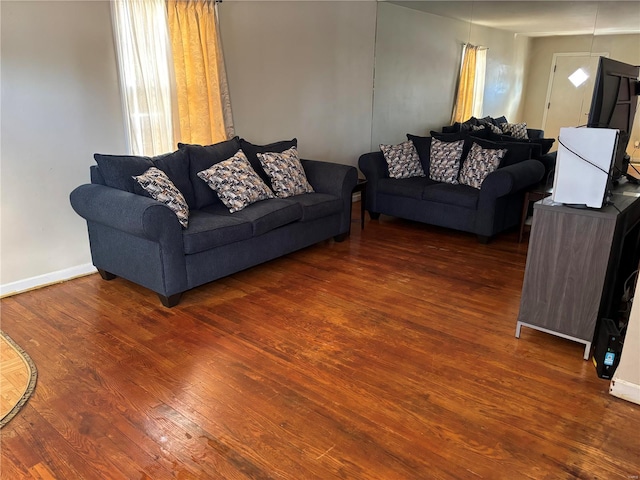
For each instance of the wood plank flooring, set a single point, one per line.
(389, 356)
(14, 377)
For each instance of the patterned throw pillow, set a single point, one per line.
(517, 130)
(403, 160)
(445, 161)
(156, 183)
(286, 172)
(487, 123)
(479, 163)
(235, 182)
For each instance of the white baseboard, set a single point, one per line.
(625, 390)
(39, 281)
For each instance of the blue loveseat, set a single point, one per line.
(486, 211)
(140, 239)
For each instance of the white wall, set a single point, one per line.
(296, 69)
(417, 65)
(302, 69)
(507, 65)
(60, 104)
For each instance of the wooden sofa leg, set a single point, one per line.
(484, 239)
(106, 275)
(171, 300)
(374, 215)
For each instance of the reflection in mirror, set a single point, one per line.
(609, 37)
(419, 48)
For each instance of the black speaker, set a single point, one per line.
(606, 354)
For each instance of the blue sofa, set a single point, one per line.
(540, 146)
(140, 239)
(487, 211)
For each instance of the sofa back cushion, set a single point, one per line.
(516, 151)
(535, 146)
(176, 166)
(118, 171)
(203, 157)
(481, 131)
(545, 144)
(251, 151)
(423, 147)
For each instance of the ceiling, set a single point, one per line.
(537, 18)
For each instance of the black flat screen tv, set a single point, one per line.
(613, 105)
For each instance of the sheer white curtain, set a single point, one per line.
(478, 86)
(146, 71)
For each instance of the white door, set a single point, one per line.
(569, 93)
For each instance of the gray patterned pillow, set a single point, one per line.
(517, 130)
(156, 183)
(484, 123)
(402, 160)
(445, 160)
(286, 173)
(235, 182)
(495, 129)
(479, 163)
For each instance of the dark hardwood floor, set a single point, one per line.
(389, 356)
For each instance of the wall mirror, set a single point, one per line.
(419, 48)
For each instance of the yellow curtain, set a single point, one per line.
(463, 108)
(203, 107)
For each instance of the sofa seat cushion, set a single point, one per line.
(207, 230)
(459, 195)
(317, 205)
(404, 187)
(264, 215)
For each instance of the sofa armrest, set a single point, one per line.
(134, 214)
(334, 178)
(374, 167)
(534, 133)
(511, 179)
(134, 237)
